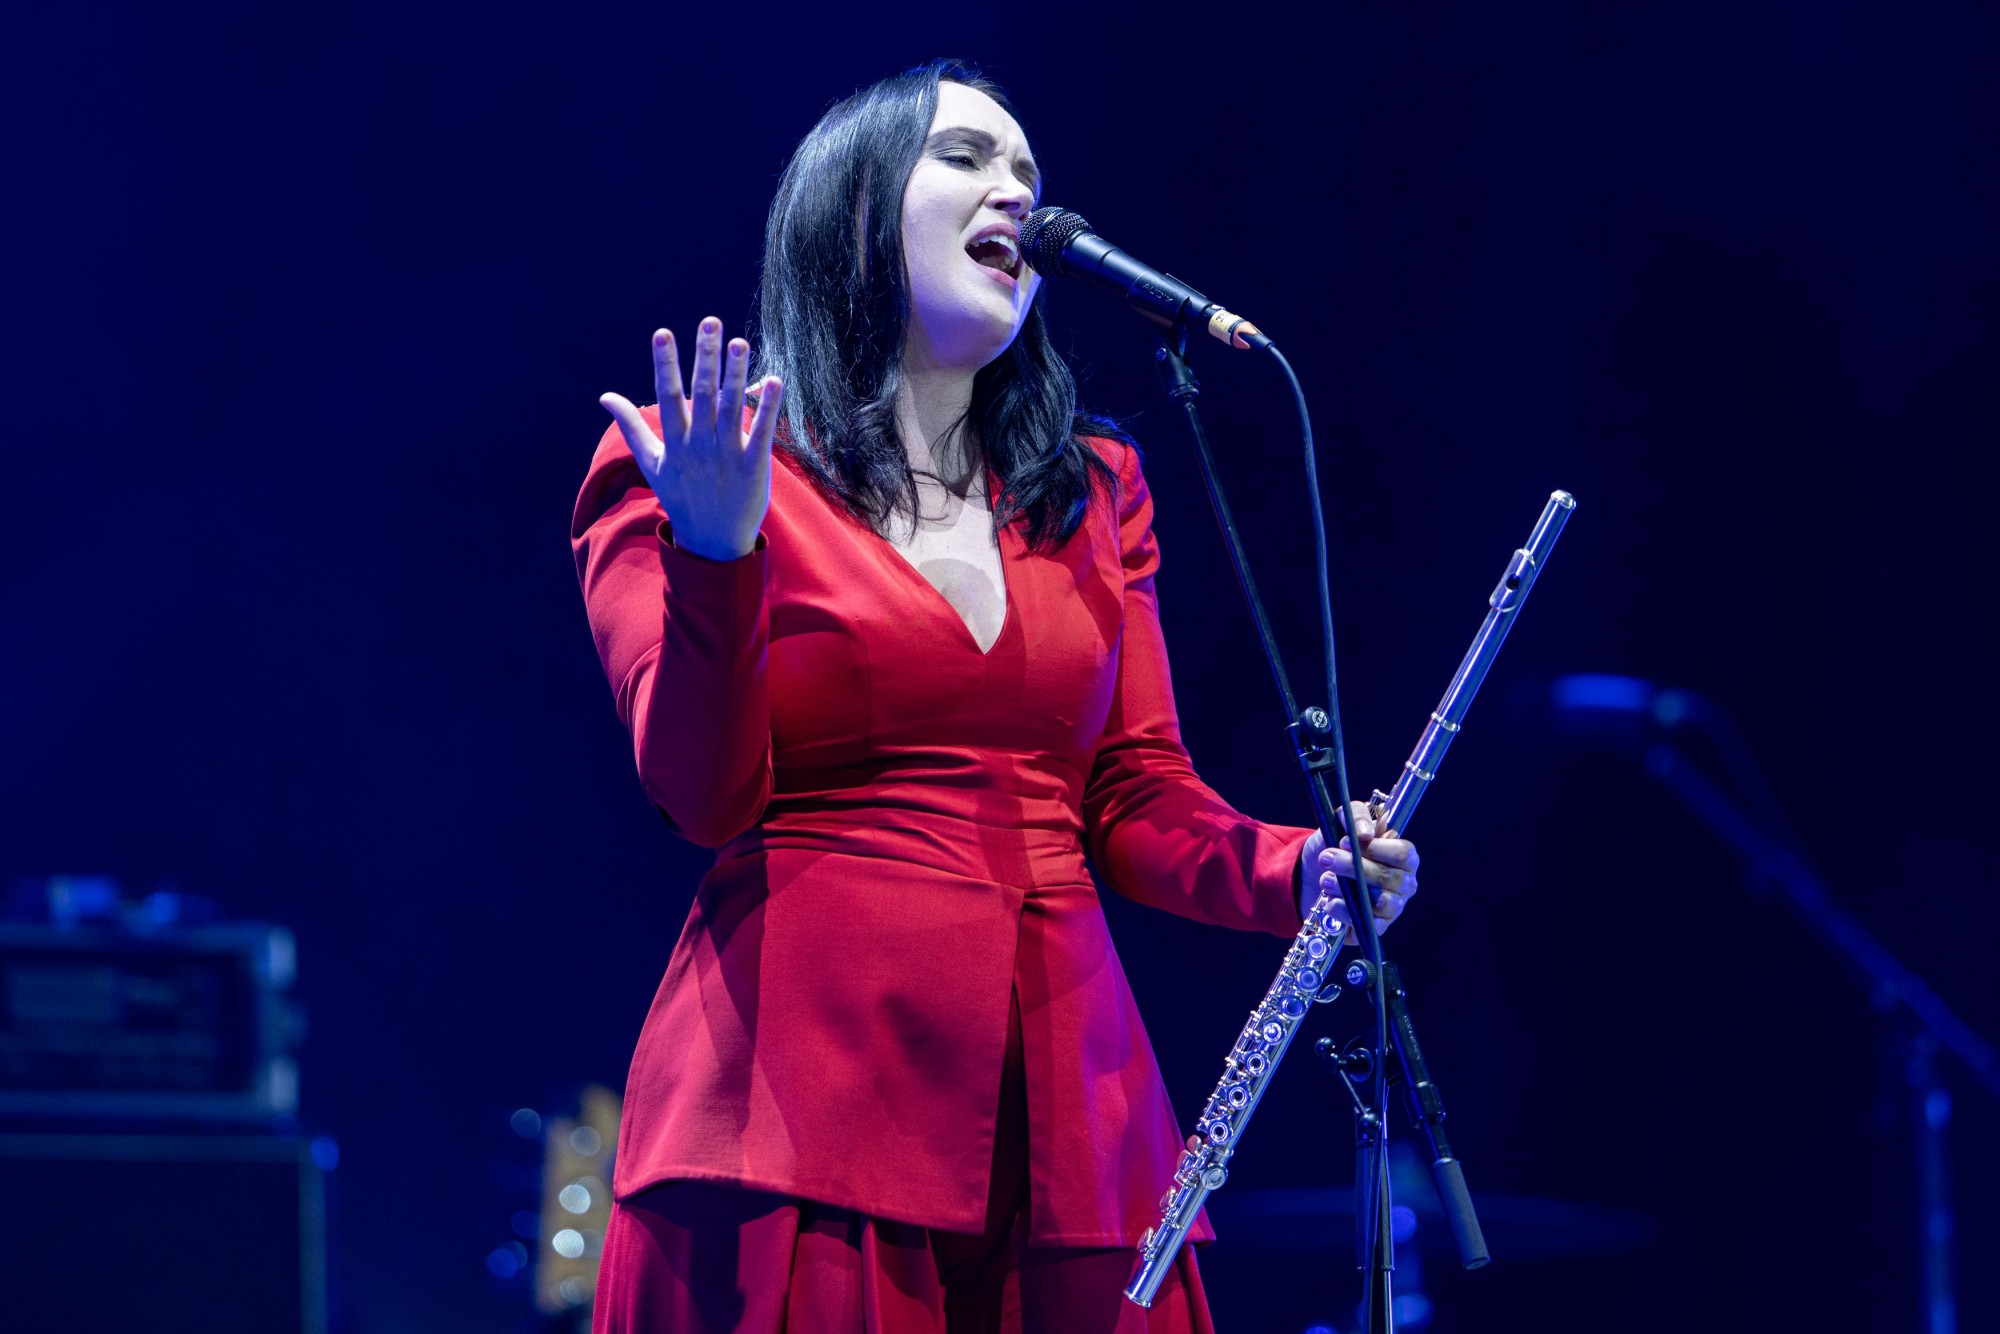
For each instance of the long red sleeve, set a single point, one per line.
(1156, 832)
(684, 641)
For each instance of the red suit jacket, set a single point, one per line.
(901, 825)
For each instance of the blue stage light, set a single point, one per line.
(1598, 690)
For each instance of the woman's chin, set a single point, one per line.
(975, 338)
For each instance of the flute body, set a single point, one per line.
(1399, 803)
(1303, 977)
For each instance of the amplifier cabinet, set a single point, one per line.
(185, 1024)
(162, 1234)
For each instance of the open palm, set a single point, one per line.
(712, 478)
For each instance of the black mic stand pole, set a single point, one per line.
(1308, 730)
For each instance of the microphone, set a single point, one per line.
(1056, 241)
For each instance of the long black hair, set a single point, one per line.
(834, 305)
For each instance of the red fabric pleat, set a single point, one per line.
(692, 1258)
(696, 1258)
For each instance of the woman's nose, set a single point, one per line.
(1012, 198)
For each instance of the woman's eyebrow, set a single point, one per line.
(1024, 167)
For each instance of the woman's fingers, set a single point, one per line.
(707, 379)
(1388, 907)
(1388, 867)
(639, 438)
(729, 411)
(710, 407)
(1392, 850)
(1391, 887)
(770, 401)
(1391, 879)
(667, 381)
(714, 482)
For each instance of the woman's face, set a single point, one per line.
(962, 211)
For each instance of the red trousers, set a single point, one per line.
(694, 1258)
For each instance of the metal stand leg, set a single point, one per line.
(1930, 1117)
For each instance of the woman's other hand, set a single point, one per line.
(1388, 864)
(713, 481)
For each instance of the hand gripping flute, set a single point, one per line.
(1303, 978)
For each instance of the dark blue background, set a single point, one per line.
(307, 310)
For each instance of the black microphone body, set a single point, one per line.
(1056, 242)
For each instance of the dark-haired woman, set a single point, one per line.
(902, 681)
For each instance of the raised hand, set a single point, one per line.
(713, 481)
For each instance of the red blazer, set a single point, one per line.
(901, 825)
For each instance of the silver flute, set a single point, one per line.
(1303, 978)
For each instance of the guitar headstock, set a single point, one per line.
(576, 1202)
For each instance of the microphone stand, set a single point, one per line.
(1934, 1026)
(1308, 731)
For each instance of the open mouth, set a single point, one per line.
(996, 249)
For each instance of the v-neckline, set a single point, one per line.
(895, 555)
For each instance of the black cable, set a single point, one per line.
(1363, 900)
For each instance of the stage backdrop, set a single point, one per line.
(306, 314)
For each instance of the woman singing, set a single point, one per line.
(904, 682)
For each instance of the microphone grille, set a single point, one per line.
(1046, 233)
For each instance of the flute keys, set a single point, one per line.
(1309, 971)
